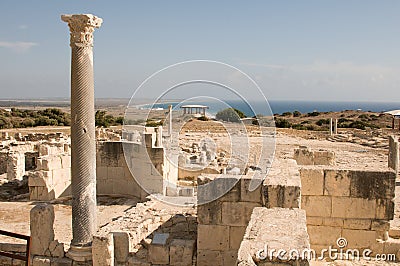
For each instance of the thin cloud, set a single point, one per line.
(18, 47)
(23, 27)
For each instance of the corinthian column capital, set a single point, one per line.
(81, 28)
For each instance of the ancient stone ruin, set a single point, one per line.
(225, 212)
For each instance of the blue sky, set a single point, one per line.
(295, 50)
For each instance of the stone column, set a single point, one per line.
(393, 158)
(330, 127)
(170, 121)
(336, 122)
(83, 141)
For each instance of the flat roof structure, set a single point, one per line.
(194, 109)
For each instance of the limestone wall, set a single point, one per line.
(52, 177)
(222, 222)
(118, 162)
(355, 205)
(112, 170)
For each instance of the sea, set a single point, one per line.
(279, 107)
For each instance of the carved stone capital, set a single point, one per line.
(82, 27)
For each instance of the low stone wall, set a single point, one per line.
(282, 186)
(222, 222)
(275, 230)
(305, 156)
(355, 205)
(148, 234)
(113, 171)
(51, 179)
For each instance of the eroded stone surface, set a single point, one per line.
(274, 229)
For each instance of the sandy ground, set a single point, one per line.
(14, 216)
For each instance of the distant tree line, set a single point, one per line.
(18, 118)
(361, 121)
(104, 120)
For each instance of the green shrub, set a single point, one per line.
(299, 127)
(151, 123)
(282, 123)
(296, 114)
(323, 122)
(230, 115)
(287, 114)
(315, 113)
(203, 118)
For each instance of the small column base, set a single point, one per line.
(81, 254)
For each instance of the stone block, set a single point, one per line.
(103, 250)
(312, 182)
(101, 172)
(133, 261)
(323, 235)
(49, 163)
(379, 225)
(181, 252)
(359, 238)
(229, 257)
(275, 228)
(343, 207)
(40, 178)
(324, 157)
(304, 156)
(282, 196)
(319, 206)
(41, 261)
(251, 190)
(282, 186)
(115, 173)
(121, 246)
(41, 227)
(237, 213)
(334, 222)
(384, 209)
(215, 186)
(359, 224)
(56, 249)
(314, 220)
(372, 185)
(236, 234)
(213, 237)
(209, 258)
(61, 262)
(337, 183)
(61, 176)
(66, 161)
(159, 254)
